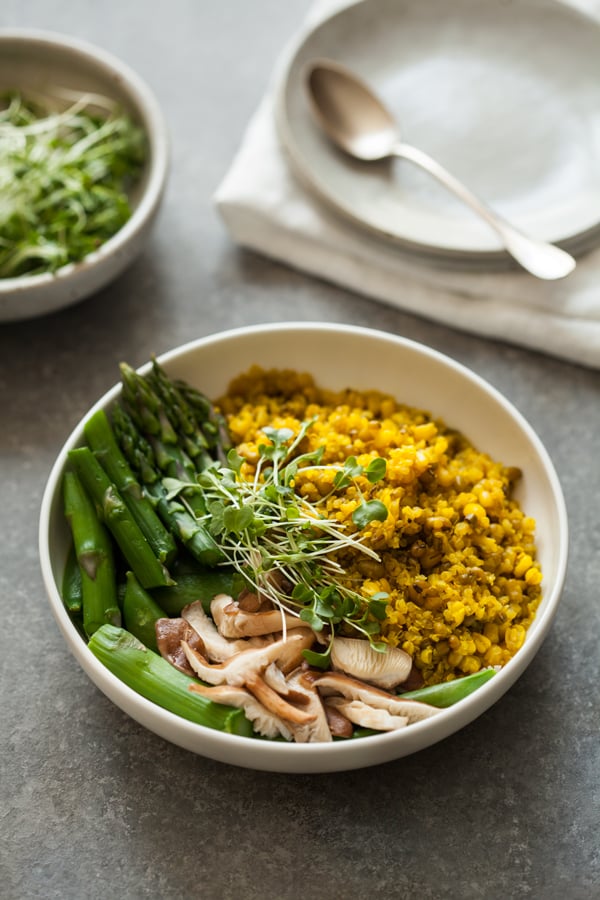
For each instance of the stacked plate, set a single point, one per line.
(506, 95)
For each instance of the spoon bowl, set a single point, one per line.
(357, 122)
(350, 114)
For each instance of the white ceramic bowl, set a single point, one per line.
(32, 60)
(339, 356)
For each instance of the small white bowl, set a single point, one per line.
(31, 59)
(339, 356)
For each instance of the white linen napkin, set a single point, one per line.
(267, 210)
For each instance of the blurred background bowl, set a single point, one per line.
(339, 356)
(32, 60)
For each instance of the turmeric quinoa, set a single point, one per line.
(457, 555)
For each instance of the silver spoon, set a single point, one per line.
(358, 123)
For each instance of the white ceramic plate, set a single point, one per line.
(505, 94)
(340, 356)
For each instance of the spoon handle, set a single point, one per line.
(538, 257)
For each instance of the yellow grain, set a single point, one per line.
(457, 554)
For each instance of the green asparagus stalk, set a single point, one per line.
(159, 412)
(181, 416)
(153, 418)
(141, 612)
(193, 415)
(135, 447)
(140, 455)
(156, 679)
(71, 587)
(450, 692)
(115, 514)
(213, 425)
(201, 586)
(100, 438)
(94, 553)
(156, 420)
(172, 412)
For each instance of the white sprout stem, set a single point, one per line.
(54, 120)
(286, 546)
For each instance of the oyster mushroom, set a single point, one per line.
(274, 714)
(357, 658)
(276, 704)
(217, 647)
(169, 635)
(257, 600)
(339, 725)
(276, 680)
(249, 601)
(263, 720)
(292, 649)
(317, 727)
(235, 622)
(332, 683)
(367, 716)
(236, 669)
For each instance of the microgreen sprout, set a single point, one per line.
(64, 173)
(282, 543)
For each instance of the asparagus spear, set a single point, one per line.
(71, 587)
(201, 586)
(174, 412)
(101, 440)
(188, 428)
(157, 680)
(213, 425)
(140, 455)
(93, 548)
(140, 612)
(178, 425)
(115, 514)
(155, 420)
(193, 415)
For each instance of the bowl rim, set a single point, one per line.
(313, 757)
(154, 124)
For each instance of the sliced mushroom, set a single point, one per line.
(169, 635)
(317, 728)
(236, 669)
(367, 716)
(357, 658)
(217, 647)
(331, 683)
(249, 601)
(263, 720)
(235, 622)
(255, 601)
(292, 653)
(339, 725)
(276, 680)
(414, 680)
(275, 703)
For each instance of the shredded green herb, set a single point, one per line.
(64, 178)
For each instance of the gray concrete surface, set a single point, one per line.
(92, 805)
